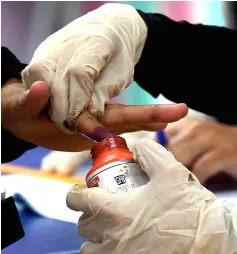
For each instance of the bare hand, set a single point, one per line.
(205, 147)
(21, 115)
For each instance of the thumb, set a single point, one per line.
(33, 101)
(159, 164)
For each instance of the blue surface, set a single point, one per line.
(31, 158)
(162, 138)
(43, 235)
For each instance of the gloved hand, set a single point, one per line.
(172, 213)
(88, 61)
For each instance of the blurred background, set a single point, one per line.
(26, 24)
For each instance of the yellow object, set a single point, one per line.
(12, 169)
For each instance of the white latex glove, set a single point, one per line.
(64, 162)
(88, 61)
(172, 213)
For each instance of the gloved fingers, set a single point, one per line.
(81, 80)
(109, 84)
(43, 70)
(100, 225)
(87, 200)
(59, 104)
(94, 52)
(85, 66)
(95, 227)
(92, 229)
(98, 100)
(157, 162)
(46, 71)
(72, 87)
(131, 115)
(91, 248)
(88, 247)
(70, 95)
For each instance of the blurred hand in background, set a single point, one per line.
(207, 148)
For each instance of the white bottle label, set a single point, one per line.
(119, 175)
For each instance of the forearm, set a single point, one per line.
(190, 63)
(12, 147)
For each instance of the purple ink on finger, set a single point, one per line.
(98, 134)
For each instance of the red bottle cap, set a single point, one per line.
(108, 144)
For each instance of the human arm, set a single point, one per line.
(22, 126)
(88, 62)
(191, 63)
(23, 123)
(185, 62)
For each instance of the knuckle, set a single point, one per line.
(84, 248)
(39, 71)
(152, 114)
(196, 167)
(86, 73)
(195, 127)
(33, 71)
(181, 156)
(35, 68)
(75, 70)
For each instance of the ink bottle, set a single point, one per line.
(114, 167)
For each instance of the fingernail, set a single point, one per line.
(98, 134)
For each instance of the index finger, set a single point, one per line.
(90, 127)
(118, 114)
